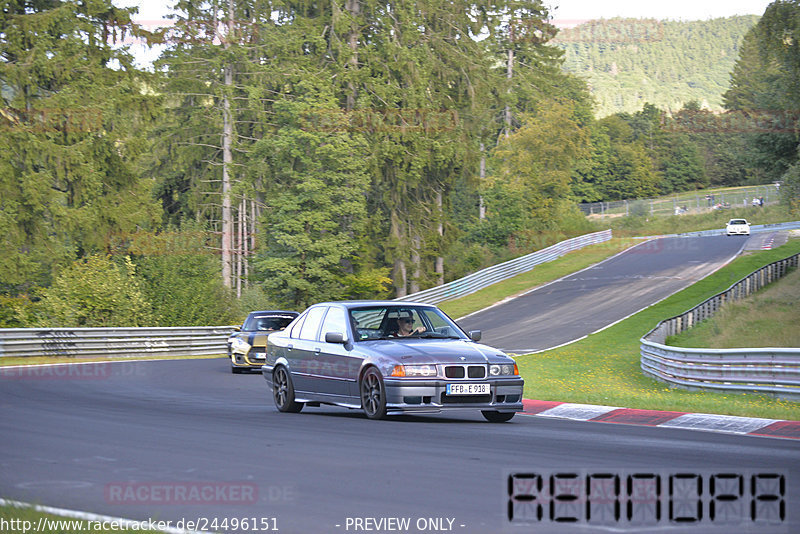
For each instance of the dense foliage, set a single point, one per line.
(765, 89)
(74, 119)
(283, 153)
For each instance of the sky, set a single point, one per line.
(565, 13)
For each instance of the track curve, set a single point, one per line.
(591, 299)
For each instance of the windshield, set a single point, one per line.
(267, 323)
(403, 321)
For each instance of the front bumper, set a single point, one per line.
(430, 396)
(248, 361)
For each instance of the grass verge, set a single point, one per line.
(767, 319)
(604, 367)
(26, 519)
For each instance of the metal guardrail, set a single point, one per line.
(774, 371)
(114, 342)
(503, 271)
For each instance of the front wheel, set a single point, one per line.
(497, 417)
(373, 394)
(283, 391)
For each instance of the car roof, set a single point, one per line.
(368, 303)
(265, 313)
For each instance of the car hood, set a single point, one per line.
(422, 351)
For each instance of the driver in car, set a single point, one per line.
(405, 325)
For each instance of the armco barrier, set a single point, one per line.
(773, 371)
(503, 271)
(114, 342)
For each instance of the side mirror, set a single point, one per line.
(334, 337)
(475, 335)
(237, 328)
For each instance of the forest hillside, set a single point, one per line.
(628, 62)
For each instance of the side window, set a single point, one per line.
(335, 321)
(437, 322)
(295, 331)
(311, 324)
(440, 324)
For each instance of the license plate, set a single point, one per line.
(469, 389)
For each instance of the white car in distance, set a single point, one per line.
(737, 227)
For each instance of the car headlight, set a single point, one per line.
(239, 345)
(505, 369)
(414, 370)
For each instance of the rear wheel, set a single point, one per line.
(497, 417)
(373, 394)
(283, 391)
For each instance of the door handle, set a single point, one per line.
(317, 351)
(289, 348)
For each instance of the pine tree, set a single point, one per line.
(74, 123)
(765, 89)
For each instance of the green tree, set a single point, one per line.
(179, 276)
(95, 292)
(590, 172)
(536, 162)
(315, 210)
(75, 115)
(765, 89)
(719, 147)
(424, 68)
(680, 164)
(16, 312)
(525, 77)
(631, 173)
(200, 162)
(790, 190)
(621, 165)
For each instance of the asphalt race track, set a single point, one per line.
(134, 439)
(189, 441)
(589, 300)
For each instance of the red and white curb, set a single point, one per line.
(768, 242)
(693, 421)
